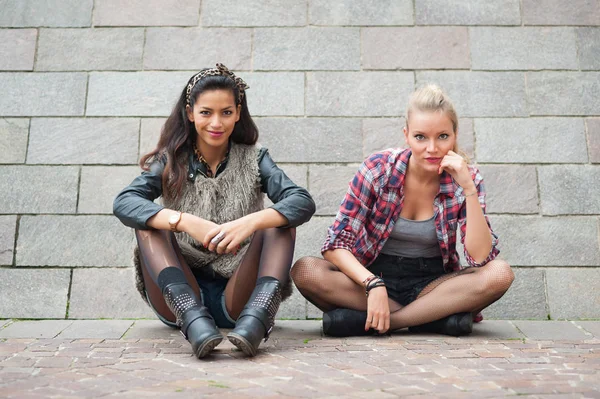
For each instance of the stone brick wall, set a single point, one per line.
(86, 84)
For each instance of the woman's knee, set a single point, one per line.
(498, 277)
(305, 271)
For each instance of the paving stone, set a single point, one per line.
(309, 48)
(61, 94)
(415, 48)
(311, 139)
(563, 93)
(476, 93)
(149, 134)
(23, 187)
(523, 48)
(381, 133)
(357, 12)
(89, 49)
(298, 329)
(311, 235)
(495, 329)
(328, 185)
(106, 329)
(289, 87)
(100, 185)
(351, 93)
(593, 134)
(588, 40)
(169, 48)
(18, 49)
(556, 12)
(73, 241)
(34, 293)
(106, 293)
(467, 12)
(4, 322)
(293, 308)
(83, 141)
(544, 330)
(51, 13)
(510, 188)
(146, 13)
(557, 140)
(151, 329)
(13, 140)
(35, 329)
(526, 298)
(573, 293)
(8, 225)
(593, 327)
(253, 13)
(556, 241)
(562, 189)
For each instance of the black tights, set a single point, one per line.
(269, 254)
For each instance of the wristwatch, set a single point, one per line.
(174, 221)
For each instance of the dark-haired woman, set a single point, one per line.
(211, 256)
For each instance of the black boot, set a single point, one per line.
(258, 316)
(343, 322)
(456, 325)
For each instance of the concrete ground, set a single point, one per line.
(143, 358)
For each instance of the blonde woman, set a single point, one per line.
(391, 250)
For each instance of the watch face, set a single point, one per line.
(173, 219)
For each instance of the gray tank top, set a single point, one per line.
(413, 239)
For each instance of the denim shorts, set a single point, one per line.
(405, 278)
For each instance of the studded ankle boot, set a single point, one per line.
(258, 316)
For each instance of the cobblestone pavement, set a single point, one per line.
(127, 358)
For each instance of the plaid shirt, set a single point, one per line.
(373, 204)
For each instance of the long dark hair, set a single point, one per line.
(178, 134)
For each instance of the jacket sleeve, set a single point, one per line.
(292, 201)
(134, 204)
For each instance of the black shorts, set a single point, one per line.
(405, 278)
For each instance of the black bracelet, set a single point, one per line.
(376, 282)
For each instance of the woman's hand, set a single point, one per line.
(196, 227)
(378, 310)
(458, 169)
(227, 237)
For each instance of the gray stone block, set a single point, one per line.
(477, 93)
(309, 48)
(510, 188)
(73, 241)
(34, 294)
(134, 93)
(523, 48)
(38, 189)
(362, 13)
(593, 327)
(563, 93)
(328, 185)
(83, 141)
(415, 48)
(7, 238)
(149, 134)
(17, 47)
(311, 235)
(556, 140)
(4, 323)
(51, 13)
(100, 184)
(107, 329)
(351, 93)
(546, 330)
(275, 94)
(558, 12)
(466, 137)
(593, 135)
(13, 140)
(525, 299)
(35, 329)
(381, 133)
(106, 293)
(467, 12)
(588, 40)
(539, 241)
(313, 312)
(495, 329)
(89, 49)
(146, 12)
(60, 94)
(293, 308)
(253, 13)
(573, 293)
(569, 189)
(169, 48)
(311, 139)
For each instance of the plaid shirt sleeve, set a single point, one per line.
(354, 210)
(462, 222)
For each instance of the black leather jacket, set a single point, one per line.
(134, 204)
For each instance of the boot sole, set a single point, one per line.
(208, 346)
(242, 344)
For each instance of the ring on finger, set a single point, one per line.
(217, 239)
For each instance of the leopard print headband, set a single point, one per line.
(220, 70)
